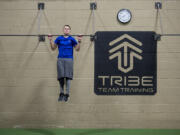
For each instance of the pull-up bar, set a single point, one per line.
(85, 35)
(34, 35)
(42, 36)
(170, 34)
(158, 36)
(92, 37)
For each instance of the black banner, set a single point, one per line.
(125, 63)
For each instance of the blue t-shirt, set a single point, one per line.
(65, 46)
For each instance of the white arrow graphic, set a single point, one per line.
(125, 46)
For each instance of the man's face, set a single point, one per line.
(66, 30)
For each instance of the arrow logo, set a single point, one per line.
(125, 45)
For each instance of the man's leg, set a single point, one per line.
(68, 82)
(61, 95)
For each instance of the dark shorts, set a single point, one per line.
(64, 68)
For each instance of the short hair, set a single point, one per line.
(67, 26)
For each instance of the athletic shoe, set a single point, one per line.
(61, 97)
(66, 96)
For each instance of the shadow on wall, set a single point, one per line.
(90, 45)
(13, 73)
(156, 22)
(36, 101)
(19, 65)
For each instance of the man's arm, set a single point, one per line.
(77, 47)
(53, 45)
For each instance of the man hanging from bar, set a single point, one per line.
(65, 46)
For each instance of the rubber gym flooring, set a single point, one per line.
(65, 131)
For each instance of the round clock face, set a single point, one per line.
(124, 15)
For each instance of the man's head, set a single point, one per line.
(66, 29)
